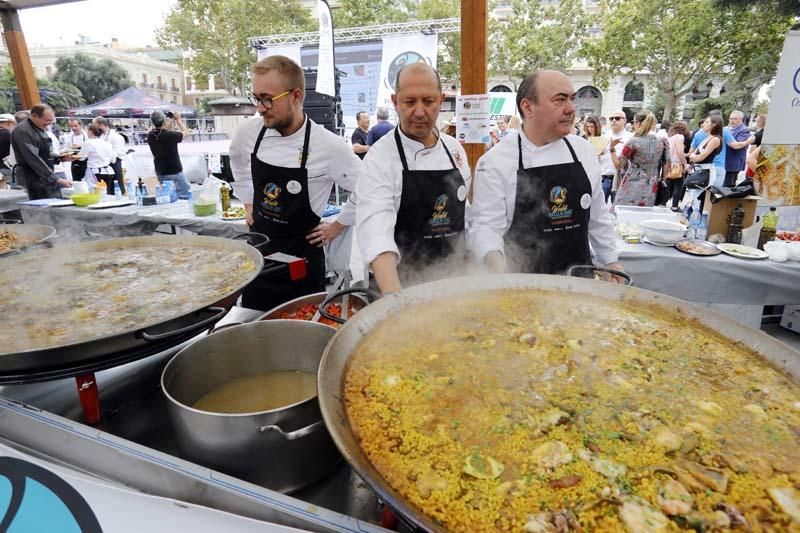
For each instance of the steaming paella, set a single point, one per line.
(539, 411)
(63, 297)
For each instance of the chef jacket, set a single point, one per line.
(495, 192)
(117, 142)
(330, 160)
(381, 187)
(71, 139)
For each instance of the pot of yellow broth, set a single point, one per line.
(244, 401)
(547, 403)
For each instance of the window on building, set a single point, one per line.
(500, 89)
(634, 92)
(188, 82)
(158, 80)
(174, 87)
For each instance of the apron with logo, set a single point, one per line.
(550, 228)
(282, 212)
(430, 221)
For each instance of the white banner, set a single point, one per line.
(326, 65)
(399, 51)
(784, 107)
(472, 118)
(292, 51)
(502, 104)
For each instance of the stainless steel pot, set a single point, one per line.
(356, 301)
(284, 449)
(35, 232)
(334, 366)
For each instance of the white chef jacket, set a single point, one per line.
(117, 142)
(99, 152)
(607, 167)
(381, 186)
(78, 140)
(330, 159)
(58, 166)
(495, 193)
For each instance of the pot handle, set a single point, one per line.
(264, 239)
(592, 268)
(370, 293)
(293, 435)
(219, 312)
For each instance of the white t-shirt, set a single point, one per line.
(495, 193)
(380, 188)
(330, 160)
(606, 165)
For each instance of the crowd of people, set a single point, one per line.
(36, 156)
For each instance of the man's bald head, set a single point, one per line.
(418, 69)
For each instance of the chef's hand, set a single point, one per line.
(325, 233)
(496, 262)
(63, 182)
(612, 277)
(248, 214)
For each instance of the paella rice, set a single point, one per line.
(539, 411)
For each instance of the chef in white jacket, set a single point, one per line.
(284, 166)
(412, 191)
(538, 203)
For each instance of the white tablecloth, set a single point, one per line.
(9, 199)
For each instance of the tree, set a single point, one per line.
(352, 13)
(60, 95)
(692, 40)
(536, 35)
(96, 80)
(448, 62)
(785, 7)
(216, 34)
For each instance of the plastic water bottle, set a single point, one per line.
(117, 192)
(131, 190)
(696, 221)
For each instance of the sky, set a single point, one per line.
(133, 22)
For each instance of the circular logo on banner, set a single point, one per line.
(294, 187)
(586, 201)
(462, 193)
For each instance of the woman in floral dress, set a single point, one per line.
(644, 158)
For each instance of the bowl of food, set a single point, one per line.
(82, 200)
(663, 231)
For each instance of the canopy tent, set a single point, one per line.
(131, 102)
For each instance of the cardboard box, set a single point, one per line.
(791, 317)
(718, 212)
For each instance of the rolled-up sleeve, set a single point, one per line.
(376, 214)
(239, 152)
(601, 224)
(489, 211)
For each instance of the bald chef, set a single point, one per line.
(413, 190)
(284, 166)
(538, 202)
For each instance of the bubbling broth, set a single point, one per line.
(262, 392)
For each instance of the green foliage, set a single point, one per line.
(61, 97)
(448, 62)
(692, 40)
(536, 36)
(216, 34)
(352, 13)
(96, 80)
(785, 7)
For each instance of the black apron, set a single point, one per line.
(550, 228)
(37, 187)
(282, 212)
(78, 167)
(430, 221)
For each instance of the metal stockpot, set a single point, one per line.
(283, 449)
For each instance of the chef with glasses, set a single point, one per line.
(608, 173)
(284, 166)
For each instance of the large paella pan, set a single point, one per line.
(76, 303)
(545, 403)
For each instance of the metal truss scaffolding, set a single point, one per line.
(362, 33)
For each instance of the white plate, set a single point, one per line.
(742, 252)
(656, 243)
(232, 218)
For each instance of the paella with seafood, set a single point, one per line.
(539, 411)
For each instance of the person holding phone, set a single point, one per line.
(163, 143)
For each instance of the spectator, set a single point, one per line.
(514, 124)
(663, 130)
(34, 154)
(608, 172)
(752, 156)
(359, 138)
(603, 125)
(381, 128)
(735, 157)
(677, 135)
(163, 143)
(502, 127)
(450, 128)
(591, 127)
(7, 124)
(639, 163)
(706, 152)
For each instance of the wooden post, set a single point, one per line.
(20, 59)
(474, 19)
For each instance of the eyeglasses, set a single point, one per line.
(266, 101)
(616, 118)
